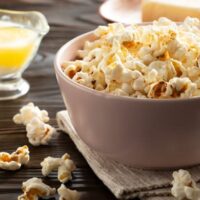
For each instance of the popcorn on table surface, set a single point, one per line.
(15, 160)
(34, 188)
(67, 194)
(64, 165)
(28, 112)
(159, 61)
(38, 131)
(184, 187)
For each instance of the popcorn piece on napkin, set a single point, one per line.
(28, 112)
(67, 194)
(15, 160)
(184, 187)
(64, 165)
(34, 188)
(39, 132)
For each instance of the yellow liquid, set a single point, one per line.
(17, 45)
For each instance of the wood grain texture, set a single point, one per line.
(67, 18)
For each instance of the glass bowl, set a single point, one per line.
(20, 35)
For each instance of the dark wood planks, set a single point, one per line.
(68, 18)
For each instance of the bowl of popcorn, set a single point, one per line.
(132, 93)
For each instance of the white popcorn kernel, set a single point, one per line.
(126, 76)
(136, 74)
(163, 21)
(64, 165)
(111, 86)
(101, 30)
(189, 21)
(139, 84)
(126, 35)
(184, 187)
(182, 87)
(161, 68)
(194, 72)
(145, 54)
(126, 87)
(34, 188)
(39, 132)
(119, 92)
(50, 164)
(84, 79)
(116, 28)
(152, 76)
(113, 71)
(65, 170)
(180, 53)
(15, 160)
(67, 194)
(28, 112)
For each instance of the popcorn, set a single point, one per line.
(184, 187)
(139, 84)
(15, 160)
(182, 87)
(64, 165)
(71, 70)
(119, 92)
(141, 61)
(34, 189)
(39, 133)
(67, 194)
(160, 89)
(28, 112)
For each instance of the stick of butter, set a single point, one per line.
(176, 10)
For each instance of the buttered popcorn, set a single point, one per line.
(15, 160)
(34, 189)
(159, 61)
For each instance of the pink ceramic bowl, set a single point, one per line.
(143, 133)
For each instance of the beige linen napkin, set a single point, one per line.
(123, 181)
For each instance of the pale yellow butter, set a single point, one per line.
(176, 10)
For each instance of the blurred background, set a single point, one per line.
(61, 12)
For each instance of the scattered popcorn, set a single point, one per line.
(50, 164)
(34, 188)
(28, 112)
(39, 133)
(160, 60)
(184, 187)
(15, 160)
(67, 194)
(64, 165)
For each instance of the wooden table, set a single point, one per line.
(67, 18)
